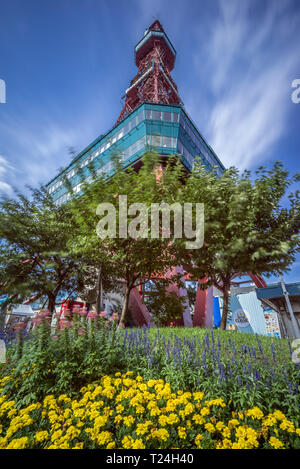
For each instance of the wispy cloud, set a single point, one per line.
(5, 169)
(39, 147)
(250, 59)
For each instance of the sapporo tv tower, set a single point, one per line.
(153, 116)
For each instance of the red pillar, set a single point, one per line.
(203, 314)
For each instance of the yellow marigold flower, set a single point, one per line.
(104, 438)
(226, 444)
(288, 426)
(198, 419)
(100, 421)
(56, 435)
(209, 427)
(41, 436)
(128, 420)
(118, 419)
(252, 436)
(233, 423)
(78, 446)
(143, 387)
(278, 415)
(72, 432)
(161, 434)
(138, 444)
(171, 405)
(172, 419)
(216, 402)
(269, 421)
(119, 408)
(109, 392)
(219, 426)
(241, 432)
(255, 413)
(18, 443)
(181, 432)
(143, 428)
(204, 411)
(139, 409)
(277, 444)
(127, 442)
(3, 443)
(111, 445)
(11, 413)
(198, 396)
(151, 383)
(198, 440)
(163, 420)
(155, 411)
(189, 408)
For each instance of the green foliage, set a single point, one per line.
(34, 259)
(246, 227)
(133, 259)
(165, 306)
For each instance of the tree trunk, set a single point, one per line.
(226, 294)
(124, 313)
(51, 303)
(99, 291)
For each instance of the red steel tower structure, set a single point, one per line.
(155, 58)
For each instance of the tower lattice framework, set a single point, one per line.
(154, 57)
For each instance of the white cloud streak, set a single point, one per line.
(250, 61)
(5, 168)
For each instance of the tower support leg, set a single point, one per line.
(203, 314)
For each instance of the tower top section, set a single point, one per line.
(155, 37)
(155, 58)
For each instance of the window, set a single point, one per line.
(148, 113)
(156, 140)
(156, 115)
(175, 116)
(167, 142)
(140, 117)
(167, 116)
(134, 122)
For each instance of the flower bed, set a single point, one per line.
(129, 412)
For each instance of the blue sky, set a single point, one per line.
(67, 63)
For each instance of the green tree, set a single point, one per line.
(247, 229)
(34, 260)
(165, 306)
(133, 259)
